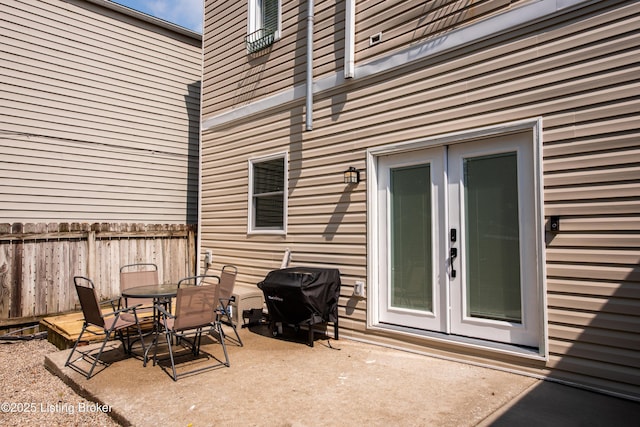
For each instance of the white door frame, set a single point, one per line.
(524, 332)
(435, 157)
(534, 125)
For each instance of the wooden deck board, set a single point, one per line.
(63, 330)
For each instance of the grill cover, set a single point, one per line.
(302, 295)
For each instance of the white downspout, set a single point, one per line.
(310, 65)
(349, 38)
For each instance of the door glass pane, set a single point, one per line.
(411, 245)
(492, 237)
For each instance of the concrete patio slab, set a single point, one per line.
(283, 382)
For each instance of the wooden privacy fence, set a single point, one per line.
(38, 262)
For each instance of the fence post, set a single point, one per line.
(192, 265)
(91, 254)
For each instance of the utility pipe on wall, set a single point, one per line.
(349, 38)
(286, 259)
(310, 65)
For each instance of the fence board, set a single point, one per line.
(6, 254)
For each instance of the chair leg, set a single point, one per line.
(233, 325)
(154, 344)
(126, 346)
(196, 342)
(218, 326)
(141, 339)
(173, 363)
(84, 327)
(95, 362)
(95, 358)
(225, 313)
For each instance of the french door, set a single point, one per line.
(456, 241)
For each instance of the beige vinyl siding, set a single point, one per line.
(328, 38)
(316, 221)
(577, 71)
(234, 78)
(403, 23)
(98, 115)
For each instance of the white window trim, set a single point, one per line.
(252, 22)
(250, 209)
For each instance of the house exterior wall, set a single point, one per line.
(99, 140)
(573, 68)
(99, 112)
(234, 78)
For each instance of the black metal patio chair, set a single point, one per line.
(118, 322)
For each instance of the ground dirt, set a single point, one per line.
(33, 396)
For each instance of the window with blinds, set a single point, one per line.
(268, 194)
(264, 24)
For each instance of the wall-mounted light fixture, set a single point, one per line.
(351, 176)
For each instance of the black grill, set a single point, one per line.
(302, 296)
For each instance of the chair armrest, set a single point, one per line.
(164, 312)
(123, 310)
(112, 302)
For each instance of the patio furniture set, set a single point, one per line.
(180, 312)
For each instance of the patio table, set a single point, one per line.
(160, 293)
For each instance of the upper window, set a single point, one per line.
(264, 24)
(267, 194)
